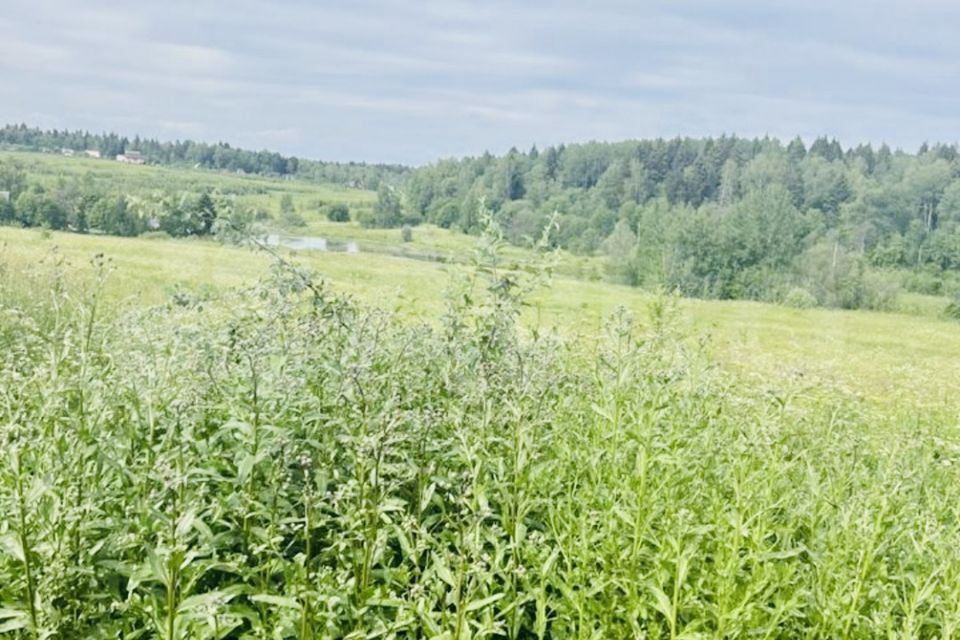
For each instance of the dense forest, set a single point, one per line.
(220, 156)
(721, 217)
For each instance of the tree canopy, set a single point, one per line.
(721, 217)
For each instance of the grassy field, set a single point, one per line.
(883, 357)
(449, 246)
(279, 462)
(206, 441)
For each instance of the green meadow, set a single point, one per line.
(449, 438)
(911, 356)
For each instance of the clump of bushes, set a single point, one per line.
(289, 217)
(338, 213)
(925, 281)
(952, 309)
(800, 298)
(837, 278)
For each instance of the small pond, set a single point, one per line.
(310, 243)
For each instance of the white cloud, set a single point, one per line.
(191, 58)
(30, 56)
(394, 80)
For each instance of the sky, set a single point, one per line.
(411, 82)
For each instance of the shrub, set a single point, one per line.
(800, 298)
(838, 278)
(926, 281)
(406, 233)
(952, 310)
(290, 218)
(386, 212)
(111, 214)
(880, 291)
(338, 213)
(288, 213)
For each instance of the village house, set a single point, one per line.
(92, 153)
(4, 196)
(131, 157)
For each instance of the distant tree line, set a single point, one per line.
(220, 156)
(718, 217)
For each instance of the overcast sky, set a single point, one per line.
(413, 81)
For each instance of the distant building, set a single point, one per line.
(92, 153)
(4, 196)
(131, 157)
(66, 152)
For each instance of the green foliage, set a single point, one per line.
(8, 214)
(338, 212)
(387, 212)
(800, 298)
(206, 212)
(13, 179)
(289, 217)
(286, 204)
(406, 233)
(952, 309)
(721, 218)
(186, 215)
(36, 208)
(926, 281)
(838, 278)
(282, 463)
(112, 215)
(620, 247)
